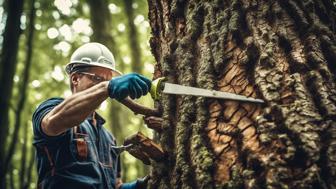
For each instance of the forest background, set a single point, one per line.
(49, 32)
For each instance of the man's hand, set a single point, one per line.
(133, 85)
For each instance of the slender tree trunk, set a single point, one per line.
(281, 51)
(102, 30)
(23, 87)
(11, 177)
(3, 22)
(101, 25)
(8, 64)
(134, 45)
(136, 63)
(30, 169)
(101, 22)
(23, 157)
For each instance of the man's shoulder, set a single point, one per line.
(51, 101)
(47, 104)
(42, 109)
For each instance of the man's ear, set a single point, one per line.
(75, 79)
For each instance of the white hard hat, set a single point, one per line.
(92, 54)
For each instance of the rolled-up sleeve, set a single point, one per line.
(45, 107)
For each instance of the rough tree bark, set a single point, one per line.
(281, 51)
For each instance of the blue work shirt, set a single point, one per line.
(82, 157)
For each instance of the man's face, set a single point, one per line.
(86, 79)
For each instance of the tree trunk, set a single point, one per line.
(23, 89)
(30, 169)
(23, 171)
(134, 45)
(136, 64)
(281, 51)
(102, 33)
(8, 64)
(101, 26)
(11, 177)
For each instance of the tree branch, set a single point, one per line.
(154, 123)
(140, 109)
(144, 148)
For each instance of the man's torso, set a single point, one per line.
(82, 157)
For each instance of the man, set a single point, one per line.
(73, 148)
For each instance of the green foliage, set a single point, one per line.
(59, 30)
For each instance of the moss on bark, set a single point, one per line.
(281, 51)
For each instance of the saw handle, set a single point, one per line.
(157, 87)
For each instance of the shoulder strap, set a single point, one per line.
(50, 159)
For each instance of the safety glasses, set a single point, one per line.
(93, 77)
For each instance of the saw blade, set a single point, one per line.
(176, 89)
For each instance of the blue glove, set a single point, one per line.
(142, 182)
(138, 184)
(133, 85)
(130, 185)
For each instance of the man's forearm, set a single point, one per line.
(74, 109)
